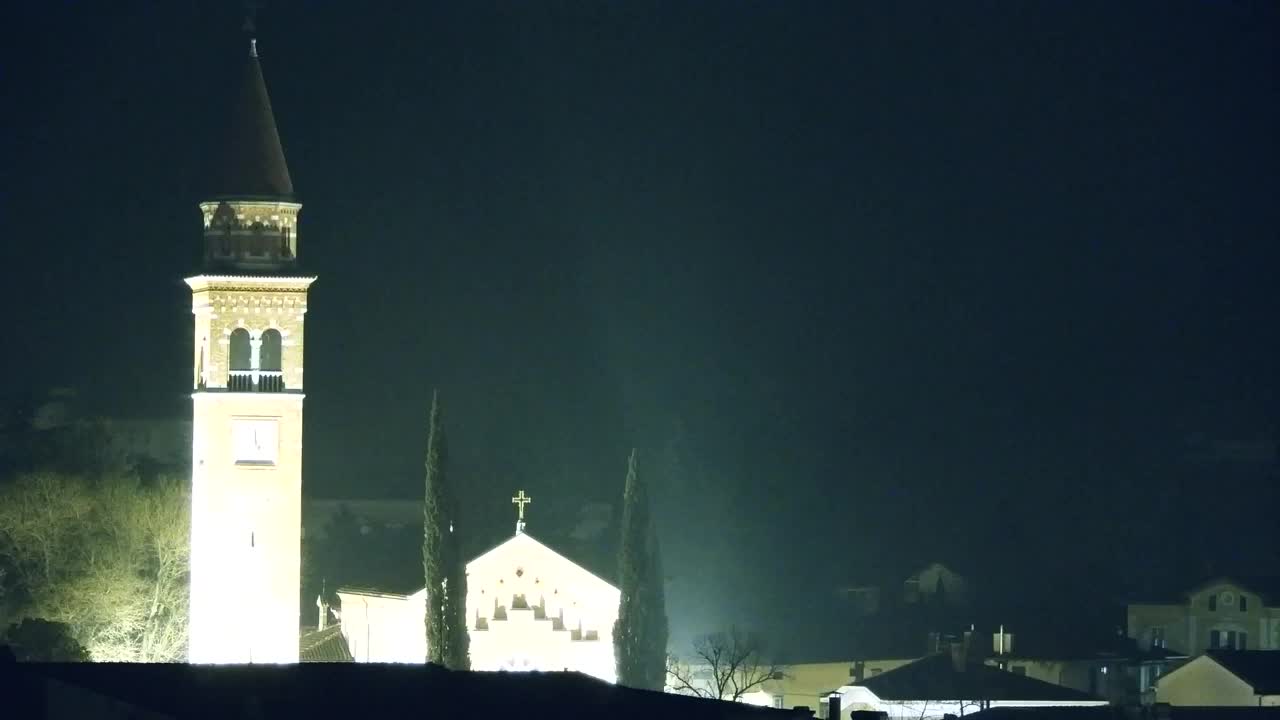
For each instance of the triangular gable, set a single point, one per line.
(527, 543)
(523, 541)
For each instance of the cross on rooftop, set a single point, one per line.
(520, 500)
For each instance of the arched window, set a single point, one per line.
(240, 350)
(241, 379)
(271, 379)
(269, 354)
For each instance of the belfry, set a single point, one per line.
(249, 303)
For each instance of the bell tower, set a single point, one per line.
(249, 304)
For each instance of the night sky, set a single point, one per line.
(867, 283)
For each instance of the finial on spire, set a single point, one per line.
(250, 26)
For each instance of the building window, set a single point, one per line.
(1157, 637)
(1213, 603)
(1244, 604)
(1242, 640)
(1215, 639)
(777, 701)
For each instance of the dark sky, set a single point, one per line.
(987, 282)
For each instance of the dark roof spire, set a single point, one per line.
(252, 161)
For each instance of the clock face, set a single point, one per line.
(255, 441)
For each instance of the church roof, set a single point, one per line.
(327, 645)
(251, 164)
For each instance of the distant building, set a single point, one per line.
(931, 584)
(936, 583)
(369, 515)
(1224, 678)
(1223, 613)
(952, 684)
(164, 442)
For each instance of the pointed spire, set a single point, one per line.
(252, 163)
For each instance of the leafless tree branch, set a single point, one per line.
(724, 666)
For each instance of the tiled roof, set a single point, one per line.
(327, 645)
(937, 678)
(1259, 668)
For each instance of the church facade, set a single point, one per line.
(528, 608)
(249, 303)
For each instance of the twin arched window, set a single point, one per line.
(241, 361)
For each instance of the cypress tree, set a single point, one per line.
(458, 642)
(640, 635)
(442, 566)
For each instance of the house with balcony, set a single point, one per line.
(1227, 613)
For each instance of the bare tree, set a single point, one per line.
(108, 558)
(724, 666)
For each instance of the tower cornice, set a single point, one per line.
(250, 283)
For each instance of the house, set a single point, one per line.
(1224, 613)
(951, 683)
(1224, 678)
(807, 684)
(1112, 668)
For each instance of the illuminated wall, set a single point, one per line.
(246, 474)
(528, 608)
(1205, 682)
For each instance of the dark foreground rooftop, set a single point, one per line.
(937, 677)
(322, 690)
(1119, 713)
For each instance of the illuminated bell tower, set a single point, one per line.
(246, 461)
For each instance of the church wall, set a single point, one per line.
(569, 618)
(528, 608)
(384, 628)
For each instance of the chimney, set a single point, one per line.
(833, 705)
(324, 612)
(1002, 642)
